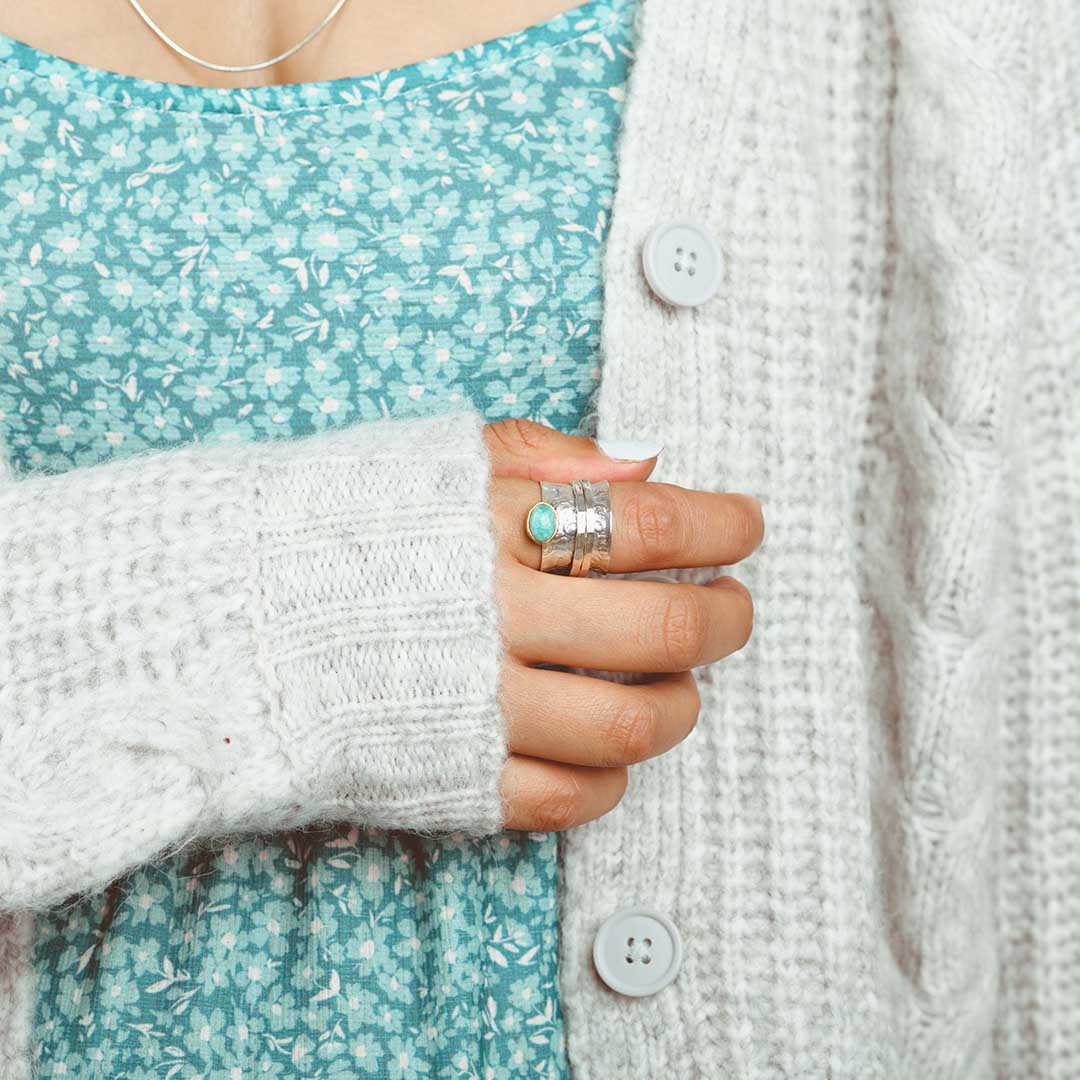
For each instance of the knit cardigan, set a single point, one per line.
(869, 842)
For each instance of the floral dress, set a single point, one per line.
(185, 263)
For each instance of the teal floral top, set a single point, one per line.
(186, 263)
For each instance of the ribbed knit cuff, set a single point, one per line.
(377, 624)
(221, 640)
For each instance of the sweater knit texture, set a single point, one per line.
(393, 243)
(869, 840)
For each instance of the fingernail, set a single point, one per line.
(629, 449)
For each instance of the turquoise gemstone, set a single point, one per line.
(541, 522)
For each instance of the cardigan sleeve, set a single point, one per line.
(242, 638)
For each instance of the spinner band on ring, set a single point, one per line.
(600, 528)
(587, 522)
(581, 531)
(587, 539)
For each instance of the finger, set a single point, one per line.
(654, 526)
(615, 624)
(545, 796)
(538, 452)
(583, 720)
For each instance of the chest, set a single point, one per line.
(277, 262)
(363, 37)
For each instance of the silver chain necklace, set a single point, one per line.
(234, 67)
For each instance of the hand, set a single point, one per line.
(571, 736)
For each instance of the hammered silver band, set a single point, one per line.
(581, 541)
(598, 509)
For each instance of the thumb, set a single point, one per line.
(537, 452)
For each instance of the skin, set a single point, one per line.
(365, 36)
(572, 738)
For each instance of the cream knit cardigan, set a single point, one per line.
(871, 842)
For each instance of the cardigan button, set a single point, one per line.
(637, 951)
(682, 262)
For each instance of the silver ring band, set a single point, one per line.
(572, 525)
(581, 531)
(600, 532)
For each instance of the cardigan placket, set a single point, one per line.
(754, 834)
(822, 838)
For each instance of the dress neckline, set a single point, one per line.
(19, 61)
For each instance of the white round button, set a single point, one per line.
(637, 951)
(682, 262)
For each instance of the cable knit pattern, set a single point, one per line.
(238, 638)
(825, 837)
(963, 230)
(869, 841)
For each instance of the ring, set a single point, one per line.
(552, 523)
(572, 525)
(581, 531)
(598, 507)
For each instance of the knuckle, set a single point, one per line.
(559, 805)
(657, 518)
(517, 434)
(631, 733)
(684, 624)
